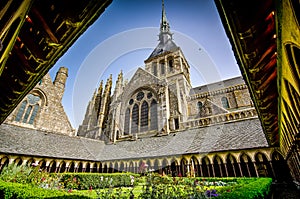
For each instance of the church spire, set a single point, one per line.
(164, 24)
(165, 33)
(166, 43)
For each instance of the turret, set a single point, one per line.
(60, 81)
(104, 107)
(119, 87)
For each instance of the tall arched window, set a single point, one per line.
(153, 115)
(141, 113)
(154, 68)
(170, 64)
(162, 67)
(144, 116)
(127, 120)
(28, 109)
(225, 103)
(200, 106)
(135, 119)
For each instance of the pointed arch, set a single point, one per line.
(218, 166)
(153, 115)
(18, 161)
(195, 166)
(4, 162)
(184, 167)
(225, 102)
(247, 166)
(206, 167)
(131, 167)
(116, 167)
(144, 116)
(72, 167)
(88, 167)
(62, 167)
(156, 165)
(135, 119)
(29, 162)
(232, 166)
(122, 167)
(127, 122)
(280, 167)
(29, 108)
(165, 167)
(52, 167)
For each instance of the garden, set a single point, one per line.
(31, 182)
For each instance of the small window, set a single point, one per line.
(149, 95)
(225, 103)
(162, 67)
(130, 101)
(140, 96)
(200, 106)
(171, 66)
(154, 68)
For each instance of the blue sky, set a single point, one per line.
(125, 35)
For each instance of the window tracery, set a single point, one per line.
(141, 113)
(29, 109)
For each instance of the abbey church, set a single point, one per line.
(157, 118)
(159, 99)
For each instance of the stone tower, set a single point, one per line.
(168, 63)
(60, 81)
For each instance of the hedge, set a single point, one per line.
(24, 191)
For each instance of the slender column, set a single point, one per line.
(209, 175)
(255, 167)
(273, 172)
(240, 169)
(220, 167)
(213, 170)
(233, 166)
(248, 169)
(201, 171)
(225, 165)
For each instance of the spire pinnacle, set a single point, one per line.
(164, 25)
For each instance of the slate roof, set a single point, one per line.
(223, 137)
(218, 85)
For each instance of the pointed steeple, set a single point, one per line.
(166, 43)
(164, 24)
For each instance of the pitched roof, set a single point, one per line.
(245, 134)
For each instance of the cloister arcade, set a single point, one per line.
(267, 162)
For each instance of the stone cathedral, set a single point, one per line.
(159, 99)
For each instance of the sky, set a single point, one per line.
(126, 34)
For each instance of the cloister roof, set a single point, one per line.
(222, 137)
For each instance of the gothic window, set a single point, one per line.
(171, 65)
(135, 119)
(225, 103)
(154, 68)
(140, 96)
(131, 101)
(144, 116)
(153, 115)
(21, 111)
(141, 113)
(28, 109)
(200, 106)
(127, 120)
(162, 67)
(149, 95)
